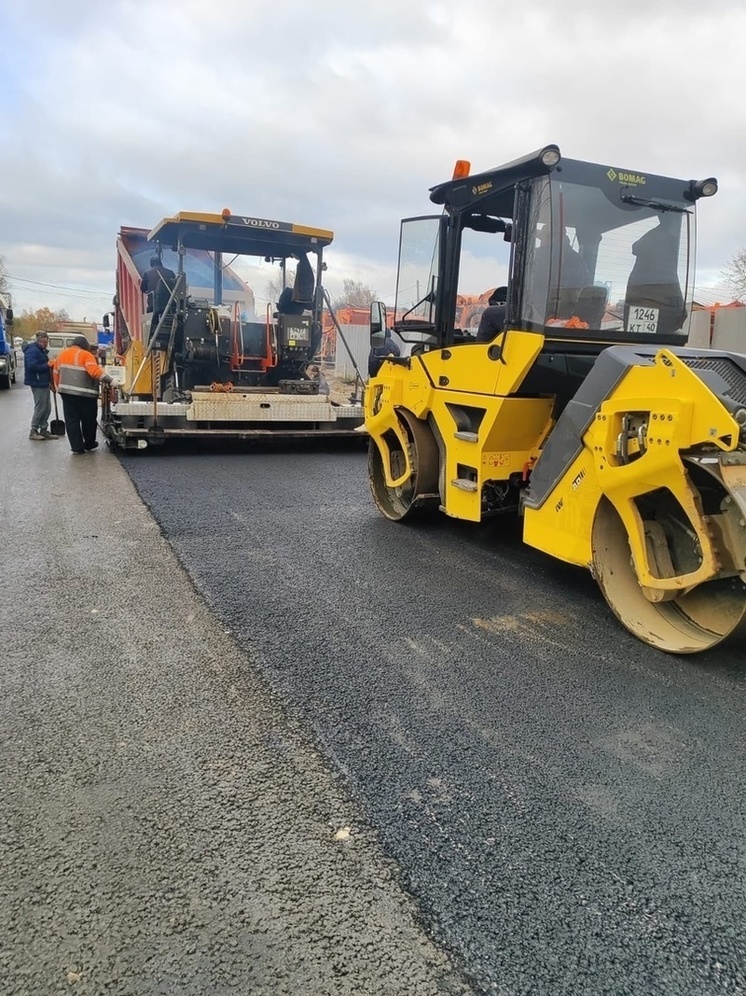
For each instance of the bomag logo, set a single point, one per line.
(577, 481)
(260, 223)
(634, 179)
(481, 188)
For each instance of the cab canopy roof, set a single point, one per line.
(492, 192)
(466, 191)
(238, 234)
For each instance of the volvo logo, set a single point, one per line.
(260, 223)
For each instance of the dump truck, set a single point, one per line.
(195, 359)
(578, 405)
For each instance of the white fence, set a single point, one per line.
(358, 339)
(726, 329)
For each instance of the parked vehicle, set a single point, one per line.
(61, 340)
(8, 359)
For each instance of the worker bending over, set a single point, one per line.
(77, 376)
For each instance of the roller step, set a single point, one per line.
(464, 485)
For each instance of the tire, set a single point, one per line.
(415, 496)
(5, 382)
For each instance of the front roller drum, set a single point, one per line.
(421, 489)
(686, 624)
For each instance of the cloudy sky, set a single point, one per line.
(341, 114)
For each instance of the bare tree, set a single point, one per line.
(274, 286)
(355, 294)
(735, 274)
(3, 275)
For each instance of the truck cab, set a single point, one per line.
(62, 340)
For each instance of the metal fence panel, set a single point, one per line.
(729, 333)
(358, 339)
(730, 330)
(699, 330)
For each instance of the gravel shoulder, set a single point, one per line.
(167, 824)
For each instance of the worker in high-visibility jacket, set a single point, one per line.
(77, 376)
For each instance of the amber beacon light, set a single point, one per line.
(461, 169)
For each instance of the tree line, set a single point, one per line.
(28, 323)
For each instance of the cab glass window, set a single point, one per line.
(418, 277)
(484, 266)
(608, 265)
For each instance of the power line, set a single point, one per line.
(65, 292)
(59, 287)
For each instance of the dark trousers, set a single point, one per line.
(80, 421)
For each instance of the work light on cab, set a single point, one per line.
(550, 156)
(701, 188)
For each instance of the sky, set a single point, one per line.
(341, 115)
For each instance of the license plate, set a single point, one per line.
(643, 320)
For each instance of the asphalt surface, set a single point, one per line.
(168, 823)
(566, 805)
(285, 746)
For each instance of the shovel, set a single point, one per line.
(57, 425)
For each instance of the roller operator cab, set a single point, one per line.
(575, 401)
(196, 364)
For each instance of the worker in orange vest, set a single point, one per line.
(77, 376)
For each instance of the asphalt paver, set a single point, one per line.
(565, 803)
(168, 822)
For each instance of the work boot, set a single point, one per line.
(48, 435)
(93, 446)
(36, 435)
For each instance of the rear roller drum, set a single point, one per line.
(685, 624)
(422, 486)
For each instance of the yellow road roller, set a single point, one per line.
(574, 401)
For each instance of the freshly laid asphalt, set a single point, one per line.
(195, 717)
(566, 804)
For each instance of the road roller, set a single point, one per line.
(573, 401)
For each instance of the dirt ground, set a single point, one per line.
(342, 389)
